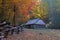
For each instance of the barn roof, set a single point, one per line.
(35, 21)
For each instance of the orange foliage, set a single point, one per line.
(24, 6)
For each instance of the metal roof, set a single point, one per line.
(35, 21)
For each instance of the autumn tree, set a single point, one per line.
(6, 10)
(0, 9)
(24, 6)
(41, 10)
(20, 11)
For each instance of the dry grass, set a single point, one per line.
(32, 35)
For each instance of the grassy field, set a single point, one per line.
(55, 34)
(34, 34)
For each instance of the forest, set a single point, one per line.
(20, 11)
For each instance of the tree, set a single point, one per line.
(41, 11)
(24, 6)
(6, 7)
(54, 14)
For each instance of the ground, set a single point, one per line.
(33, 34)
